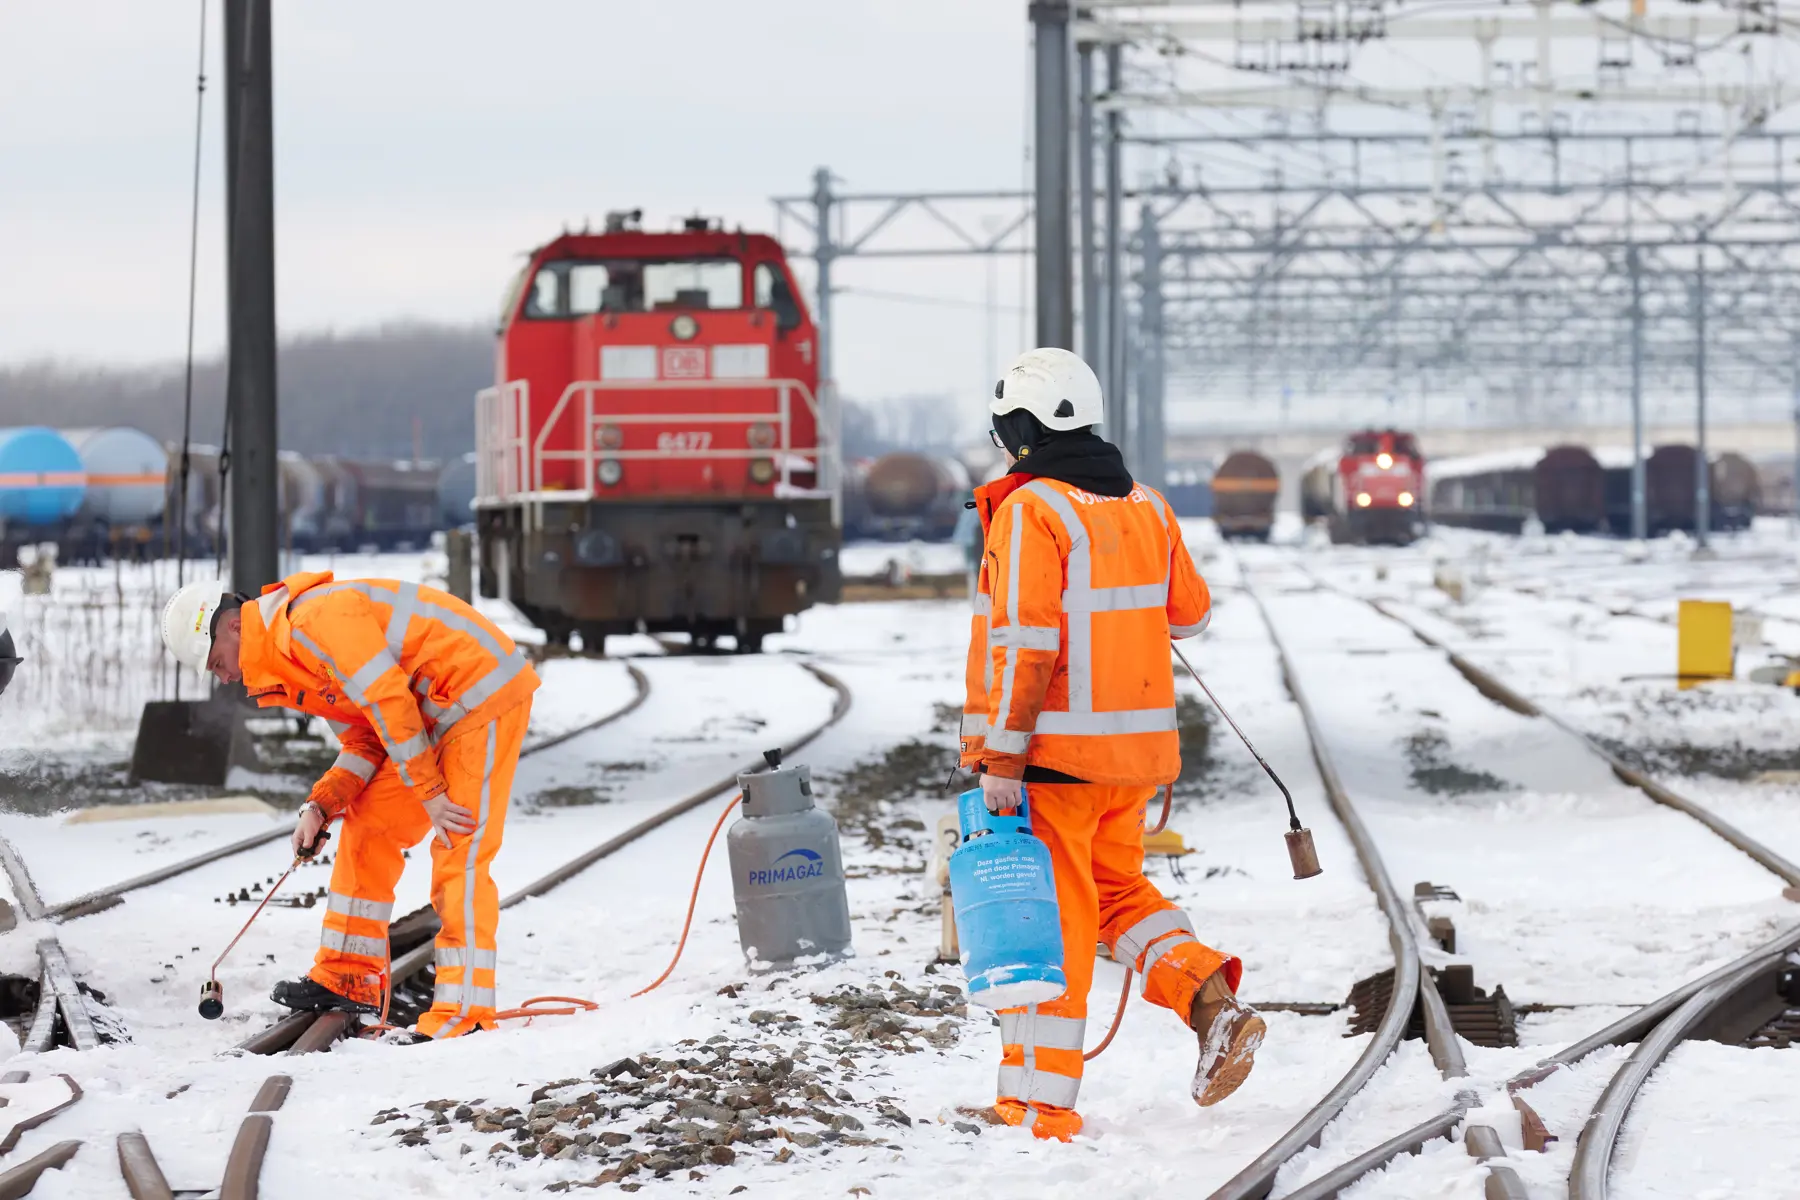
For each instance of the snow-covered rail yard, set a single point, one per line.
(1634, 946)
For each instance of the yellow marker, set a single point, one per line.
(1704, 649)
(1167, 842)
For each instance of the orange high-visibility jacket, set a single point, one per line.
(1069, 646)
(395, 668)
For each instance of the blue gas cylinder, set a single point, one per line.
(1007, 921)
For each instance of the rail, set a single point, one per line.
(1658, 1026)
(1258, 1178)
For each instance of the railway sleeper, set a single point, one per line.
(1480, 1017)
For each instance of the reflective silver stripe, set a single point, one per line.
(1107, 724)
(1194, 630)
(1117, 599)
(421, 608)
(984, 604)
(1080, 577)
(1002, 738)
(1161, 949)
(1027, 637)
(351, 906)
(1008, 741)
(1134, 941)
(356, 764)
(473, 847)
(459, 956)
(1038, 1087)
(357, 685)
(271, 604)
(1156, 501)
(406, 605)
(464, 995)
(974, 725)
(406, 751)
(350, 943)
(375, 714)
(1045, 1033)
(449, 1028)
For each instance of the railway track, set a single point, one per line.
(308, 1033)
(1754, 992)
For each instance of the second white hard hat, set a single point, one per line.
(1054, 385)
(187, 622)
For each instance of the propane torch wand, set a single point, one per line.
(1305, 859)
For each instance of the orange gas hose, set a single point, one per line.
(693, 899)
(1119, 1012)
(1168, 799)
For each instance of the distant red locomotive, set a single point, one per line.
(1370, 489)
(655, 455)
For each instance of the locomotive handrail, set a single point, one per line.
(589, 455)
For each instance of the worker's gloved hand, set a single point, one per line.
(1000, 793)
(306, 829)
(450, 819)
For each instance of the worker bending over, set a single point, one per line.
(429, 702)
(1084, 581)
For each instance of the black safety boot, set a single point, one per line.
(1230, 1032)
(309, 995)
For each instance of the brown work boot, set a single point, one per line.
(1229, 1032)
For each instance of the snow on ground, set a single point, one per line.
(860, 560)
(1455, 789)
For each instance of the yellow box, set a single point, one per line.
(1704, 641)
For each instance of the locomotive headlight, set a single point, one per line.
(1406, 499)
(762, 435)
(1384, 461)
(611, 437)
(761, 470)
(684, 328)
(611, 471)
(1363, 499)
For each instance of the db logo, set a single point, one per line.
(684, 362)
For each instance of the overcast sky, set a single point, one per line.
(420, 148)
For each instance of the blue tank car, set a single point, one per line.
(42, 481)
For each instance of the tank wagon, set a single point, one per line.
(42, 487)
(654, 455)
(903, 496)
(1371, 488)
(1243, 495)
(1736, 492)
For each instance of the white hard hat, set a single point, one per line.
(1053, 385)
(187, 622)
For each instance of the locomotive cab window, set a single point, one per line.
(773, 292)
(561, 290)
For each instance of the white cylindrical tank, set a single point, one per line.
(302, 492)
(127, 474)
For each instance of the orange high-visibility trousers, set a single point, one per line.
(378, 827)
(1095, 833)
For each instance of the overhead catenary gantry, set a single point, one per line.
(1480, 213)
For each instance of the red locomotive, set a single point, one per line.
(1370, 489)
(656, 455)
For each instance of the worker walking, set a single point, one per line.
(1083, 583)
(429, 701)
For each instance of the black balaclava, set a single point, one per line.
(1020, 431)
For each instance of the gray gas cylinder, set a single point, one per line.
(786, 870)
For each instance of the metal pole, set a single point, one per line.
(824, 253)
(1702, 468)
(1639, 514)
(1149, 466)
(1794, 491)
(250, 388)
(1055, 265)
(1114, 379)
(1092, 347)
